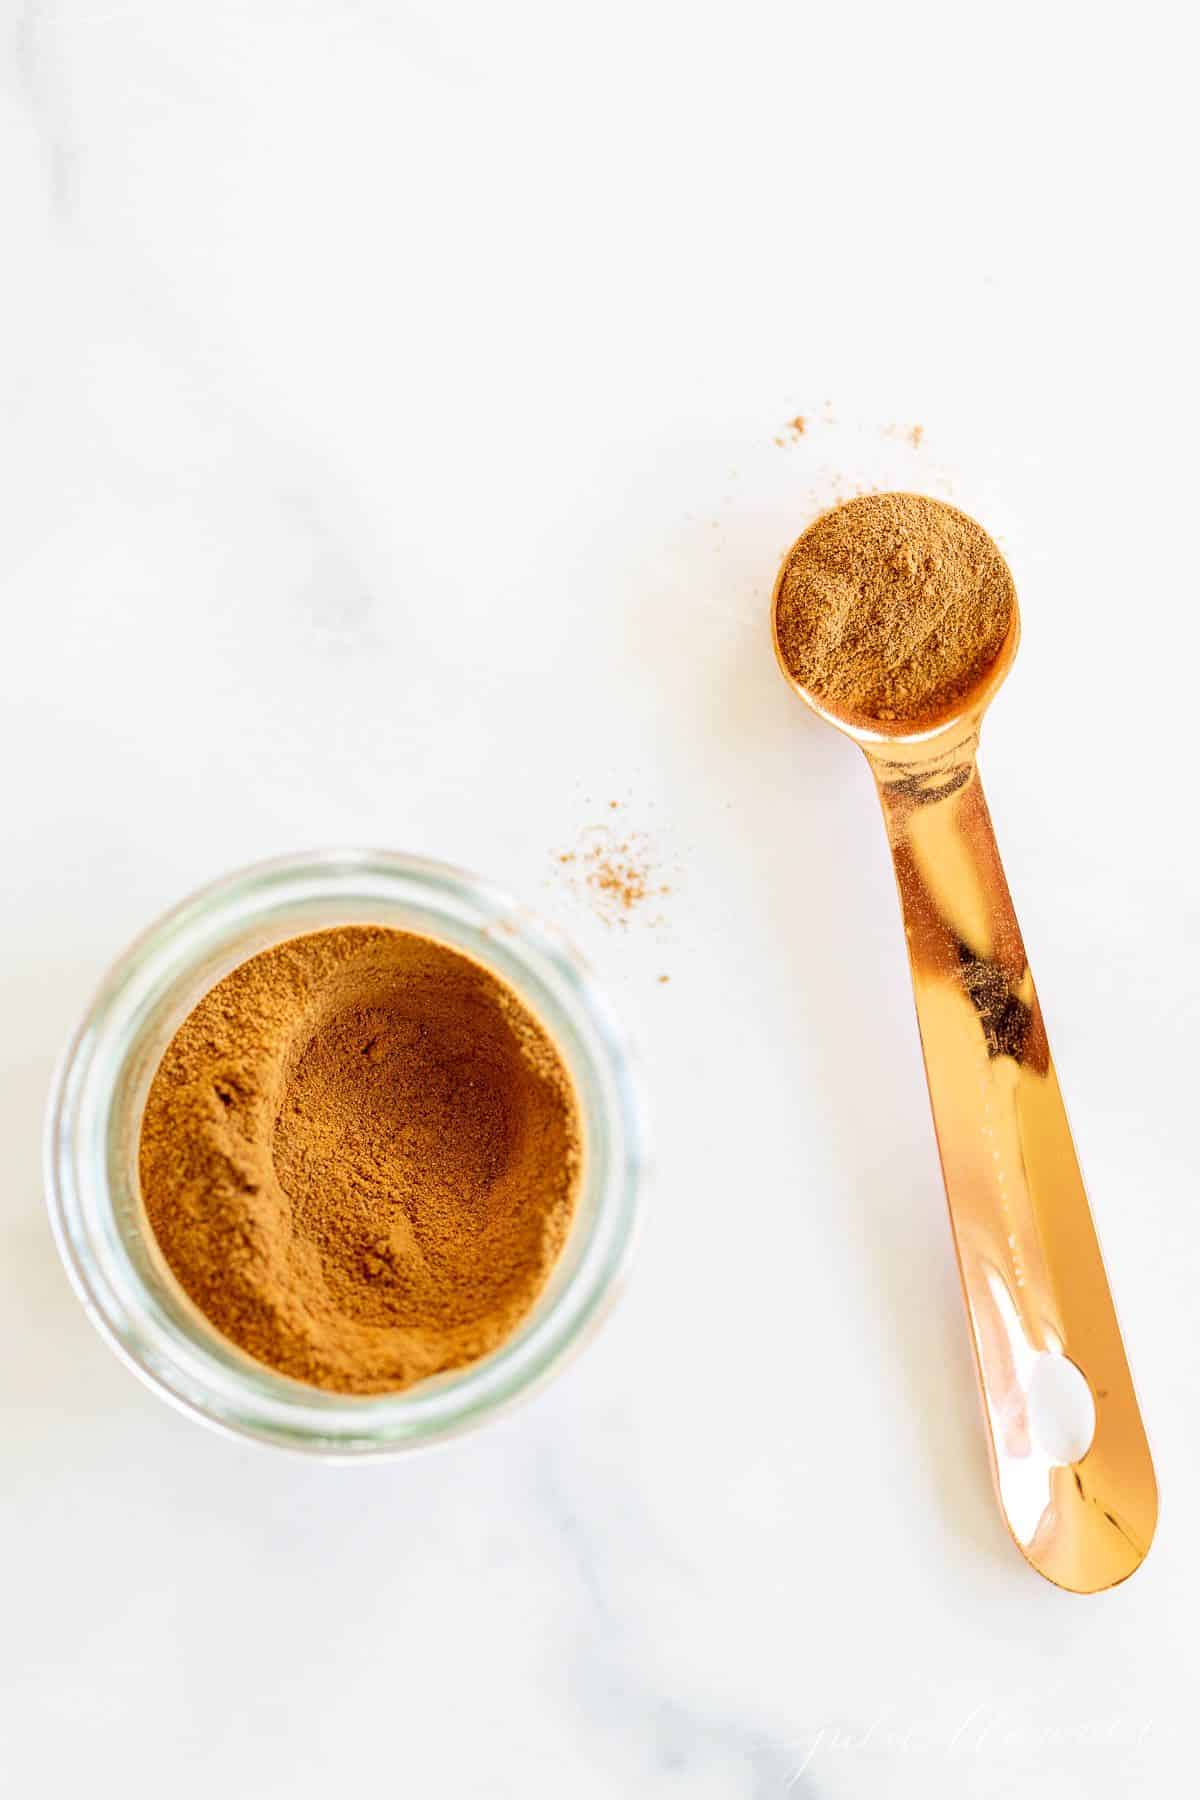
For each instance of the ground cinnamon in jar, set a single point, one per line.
(360, 1156)
(891, 608)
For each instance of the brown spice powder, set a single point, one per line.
(360, 1157)
(891, 609)
(615, 872)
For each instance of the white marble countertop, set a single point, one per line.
(389, 405)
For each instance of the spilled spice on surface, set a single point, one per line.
(615, 874)
(912, 434)
(615, 871)
(360, 1156)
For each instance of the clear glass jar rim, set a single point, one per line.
(216, 1384)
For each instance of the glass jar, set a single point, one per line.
(94, 1125)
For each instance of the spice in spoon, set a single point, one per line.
(360, 1157)
(891, 609)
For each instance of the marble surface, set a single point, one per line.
(394, 409)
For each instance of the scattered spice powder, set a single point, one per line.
(892, 607)
(912, 434)
(615, 874)
(615, 871)
(802, 423)
(359, 1157)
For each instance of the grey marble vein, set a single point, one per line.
(616, 1688)
(38, 81)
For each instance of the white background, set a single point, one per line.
(388, 395)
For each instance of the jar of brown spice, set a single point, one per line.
(145, 1286)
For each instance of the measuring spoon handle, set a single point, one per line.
(1071, 1462)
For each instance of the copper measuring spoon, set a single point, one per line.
(1069, 1453)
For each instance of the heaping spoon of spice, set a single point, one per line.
(895, 619)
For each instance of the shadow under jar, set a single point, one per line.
(96, 1111)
